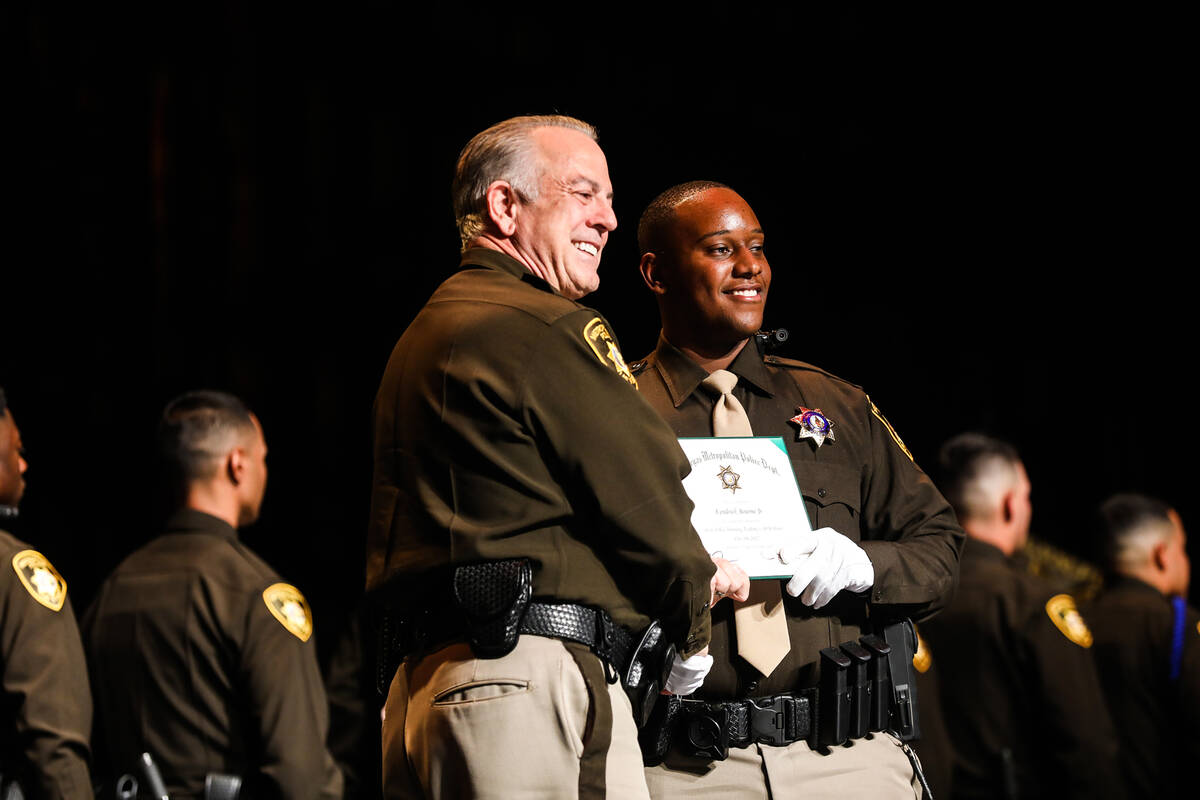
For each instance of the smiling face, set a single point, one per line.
(712, 276)
(560, 236)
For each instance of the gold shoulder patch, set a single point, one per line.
(287, 605)
(895, 436)
(1066, 617)
(922, 659)
(605, 347)
(40, 579)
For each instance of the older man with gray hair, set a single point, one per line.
(528, 519)
(1148, 644)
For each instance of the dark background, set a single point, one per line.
(974, 213)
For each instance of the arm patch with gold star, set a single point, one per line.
(287, 605)
(605, 347)
(1066, 617)
(40, 579)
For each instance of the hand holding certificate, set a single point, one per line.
(747, 503)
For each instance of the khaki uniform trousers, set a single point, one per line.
(876, 767)
(541, 722)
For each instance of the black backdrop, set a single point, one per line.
(975, 213)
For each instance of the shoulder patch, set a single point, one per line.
(605, 347)
(923, 658)
(1066, 617)
(895, 436)
(40, 579)
(287, 605)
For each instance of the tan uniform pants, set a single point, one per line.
(541, 722)
(875, 767)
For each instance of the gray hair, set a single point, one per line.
(503, 152)
(1131, 526)
(974, 471)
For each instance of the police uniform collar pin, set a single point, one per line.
(812, 424)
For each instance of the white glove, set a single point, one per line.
(688, 673)
(826, 562)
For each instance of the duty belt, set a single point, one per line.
(865, 686)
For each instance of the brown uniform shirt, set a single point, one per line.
(1157, 717)
(1020, 693)
(200, 656)
(506, 426)
(47, 707)
(864, 485)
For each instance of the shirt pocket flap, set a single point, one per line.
(833, 484)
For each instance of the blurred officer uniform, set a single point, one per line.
(46, 716)
(891, 539)
(199, 653)
(507, 427)
(1022, 702)
(1147, 645)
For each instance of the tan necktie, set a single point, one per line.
(762, 634)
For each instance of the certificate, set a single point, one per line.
(747, 500)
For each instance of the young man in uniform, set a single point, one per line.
(884, 543)
(199, 653)
(45, 705)
(1147, 645)
(509, 437)
(1020, 694)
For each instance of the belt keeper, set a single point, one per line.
(881, 682)
(835, 711)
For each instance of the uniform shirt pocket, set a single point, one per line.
(832, 498)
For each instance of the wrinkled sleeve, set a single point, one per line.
(288, 706)
(46, 691)
(625, 466)
(910, 532)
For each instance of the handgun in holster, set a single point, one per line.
(901, 638)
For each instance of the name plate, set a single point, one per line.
(747, 500)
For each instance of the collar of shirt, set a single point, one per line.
(494, 259)
(189, 520)
(683, 376)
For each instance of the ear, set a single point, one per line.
(235, 465)
(652, 269)
(1159, 557)
(502, 207)
(1007, 509)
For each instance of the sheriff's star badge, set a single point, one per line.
(812, 424)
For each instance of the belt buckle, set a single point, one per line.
(772, 719)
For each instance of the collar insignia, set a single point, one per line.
(40, 579)
(287, 605)
(812, 424)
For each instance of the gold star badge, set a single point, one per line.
(287, 605)
(40, 579)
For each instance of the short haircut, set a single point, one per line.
(503, 152)
(656, 219)
(1130, 527)
(973, 472)
(197, 429)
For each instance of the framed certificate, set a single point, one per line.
(747, 500)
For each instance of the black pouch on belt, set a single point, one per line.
(647, 671)
(835, 697)
(493, 596)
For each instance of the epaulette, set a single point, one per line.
(792, 363)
